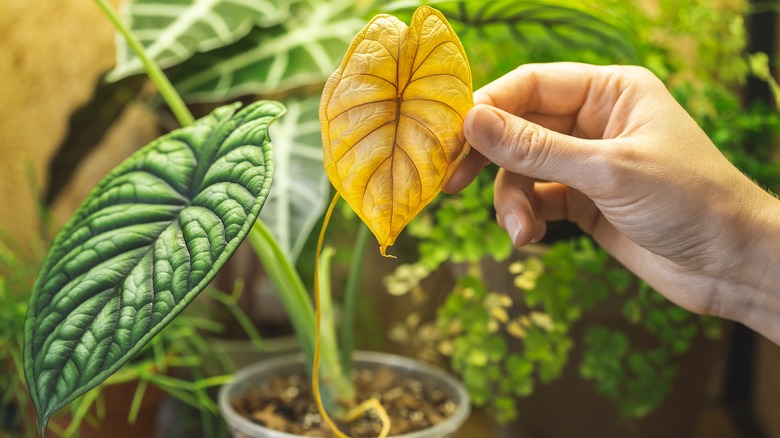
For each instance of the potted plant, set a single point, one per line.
(151, 236)
(266, 40)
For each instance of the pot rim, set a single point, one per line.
(450, 425)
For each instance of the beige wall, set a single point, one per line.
(51, 53)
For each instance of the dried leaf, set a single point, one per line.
(392, 119)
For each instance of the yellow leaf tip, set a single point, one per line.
(383, 251)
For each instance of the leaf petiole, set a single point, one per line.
(154, 72)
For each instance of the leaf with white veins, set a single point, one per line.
(301, 188)
(172, 31)
(304, 50)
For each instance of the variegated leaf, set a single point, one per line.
(301, 188)
(303, 50)
(171, 31)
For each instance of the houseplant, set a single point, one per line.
(332, 99)
(208, 78)
(113, 279)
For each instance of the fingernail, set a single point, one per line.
(513, 227)
(485, 127)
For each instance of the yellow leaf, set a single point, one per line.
(392, 119)
(515, 329)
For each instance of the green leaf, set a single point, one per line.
(620, 279)
(505, 409)
(304, 50)
(632, 311)
(760, 67)
(146, 241)
(301, 189)
(172, 31)
(518, 368)
(569, 23)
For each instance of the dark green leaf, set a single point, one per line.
(144, 243)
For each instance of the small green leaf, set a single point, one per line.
(478, 358)
(518, 368)
(632, 311)
(146, 241)
(759, 64)
(505, 409)
(620, 279)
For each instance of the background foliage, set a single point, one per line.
(503, 342)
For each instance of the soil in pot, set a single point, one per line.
(285, 403)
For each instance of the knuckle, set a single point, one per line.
(529, 145)
(619, 163)
(638, 71)
(639, 75)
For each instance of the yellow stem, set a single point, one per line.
(315, 374)
(372, 403)
(367, 405)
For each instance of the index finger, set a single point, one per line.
(561, 88)
(553, 95)
(568, 97)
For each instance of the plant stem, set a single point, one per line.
(350, 298)
(289, 286)
(154, 72)
(340, 385)
(299, 308)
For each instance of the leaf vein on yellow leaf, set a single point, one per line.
(401, 89)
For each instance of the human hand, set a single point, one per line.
(611, 150)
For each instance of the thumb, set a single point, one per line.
(526, 148)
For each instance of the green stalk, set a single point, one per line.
(288, 283)
(336, 382)
(154, 72)
(297, 303)
(350, 297)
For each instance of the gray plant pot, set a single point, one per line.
(241, 427)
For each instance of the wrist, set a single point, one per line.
(750, 290)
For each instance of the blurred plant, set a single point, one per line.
(571, 279)
(503, 342)
(14, 274)
(760, 68)
(225, 49)
(475, 324)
